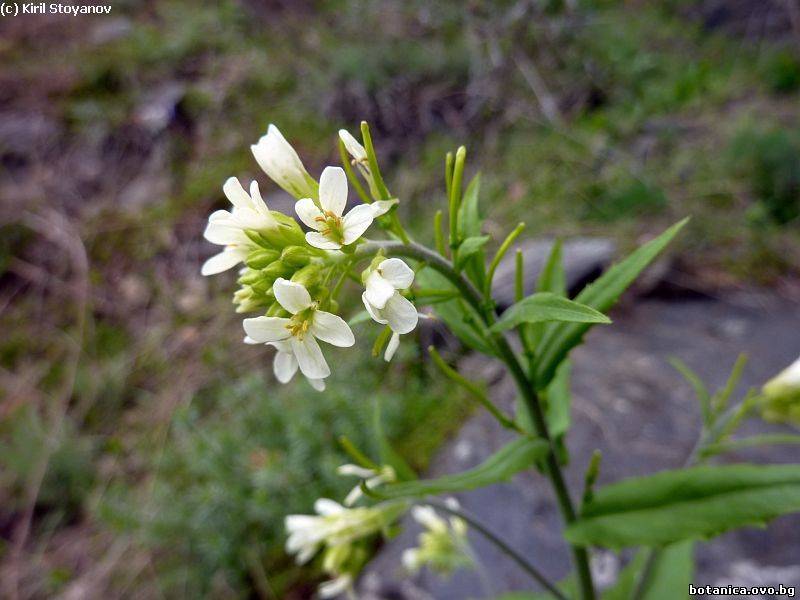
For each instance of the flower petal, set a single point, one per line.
(357, 221)
(291, 295)
(352, 145)
(308, 212)
(333, 190)
(381, 207)
(223, 261)
(224, 233)
(335, 587)
(332, 329)
(378, 289)
(318, 240)
(234, 192)
(375, 313)
(284, 366)
(400, 313)
(309, 357)
(327, 507)
(317, 384)
(391, 347)
(267, 329)
(396, 272)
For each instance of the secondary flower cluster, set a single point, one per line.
(342, 533)
(293, 276)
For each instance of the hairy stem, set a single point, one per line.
(531, 400)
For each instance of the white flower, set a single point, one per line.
(386, 305)
(285, 363)
(443, 545)
(371, 477)
(280, 161)
(784, 382)
(336, 587)
(302, 330)
(335, 525)
(359, 154)
(227, 228)
(332, 230)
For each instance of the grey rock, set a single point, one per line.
(584, 259)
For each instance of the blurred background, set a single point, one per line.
(144, 450)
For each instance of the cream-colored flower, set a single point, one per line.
(372, 479)
(280, 161)
(332, 228)
(781, 396)
(335, 525)
(227, 228)
(285, 364)
(442, 546)
(302, 329)
(384, 302)
(359, 155)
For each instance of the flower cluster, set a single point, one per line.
(781, 396)
(443, 544)
(340, 531)
(293, 277)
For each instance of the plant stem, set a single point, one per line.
(535, 573)
(531, 399)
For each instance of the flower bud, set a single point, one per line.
(260, 258)
(289, 230)
(276, 310)
(308, 276)
(276, 269)
(280, 161)
(781, 396)
(295, 256)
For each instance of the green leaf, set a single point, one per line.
(672, 570)
(695, 503)
(501, 466)
(469, 247)
(469, 226)
(700, 390)
(764, 439)
(543, 307)
(552, 279)
(459, 317)
(600, 295)
(469, 218)
(568, 587)
(558, 398)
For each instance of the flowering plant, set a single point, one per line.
(294, 279)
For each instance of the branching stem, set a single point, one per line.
(531, 400)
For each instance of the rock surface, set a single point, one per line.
(584, 258)
(629, 402)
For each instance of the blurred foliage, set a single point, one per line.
(244, 455)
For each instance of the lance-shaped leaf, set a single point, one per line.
(544, 307)
(459, 317)
(469, 226)
(695, 503)
(470, 247)
(501, 466)
(600, 295)
(672, 569)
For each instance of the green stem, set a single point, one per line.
(535, 573)
(501, 252)
(531, 401)
(474, 389)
